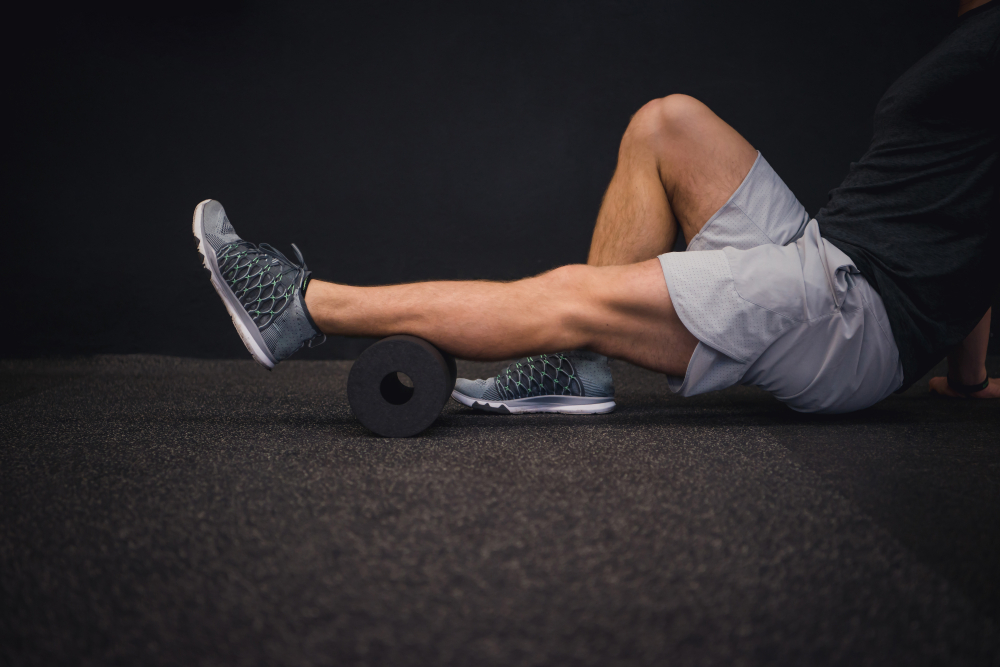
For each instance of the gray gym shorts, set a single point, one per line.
(776, 306)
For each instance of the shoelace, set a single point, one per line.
(261, 292)
(544, 375)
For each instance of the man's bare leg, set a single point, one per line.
(677, 165)
(623, 312)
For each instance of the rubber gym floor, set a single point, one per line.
(168, 511)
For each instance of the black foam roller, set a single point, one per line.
(452, 369)
(384, 404)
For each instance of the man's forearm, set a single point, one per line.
(967, 362)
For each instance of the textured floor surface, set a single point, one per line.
(189, 512)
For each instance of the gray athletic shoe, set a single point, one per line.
(263, 290)
(574, 382)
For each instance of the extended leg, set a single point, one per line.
(620, 311)
(678, 163)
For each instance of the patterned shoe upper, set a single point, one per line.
(262, 278)
(575, 373)
(268, 285)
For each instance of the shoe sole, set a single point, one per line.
(564, 405)
(241, 320)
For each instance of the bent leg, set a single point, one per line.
(678, 163)
(623, 312)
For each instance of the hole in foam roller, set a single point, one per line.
(396, 388)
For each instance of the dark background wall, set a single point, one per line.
(391, 141)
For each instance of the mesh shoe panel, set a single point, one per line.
(544, 375)
(262, 279)
(594, 373)
(574, 373)
(290, 330)
(217, 228)
(482, 389)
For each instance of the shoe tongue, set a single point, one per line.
(268, 249)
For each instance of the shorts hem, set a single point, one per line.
(732, 198)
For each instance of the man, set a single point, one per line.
(829, 314)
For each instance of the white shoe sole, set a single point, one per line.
(241, 320)
(564, 405)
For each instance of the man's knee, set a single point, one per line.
(573, 300)
(572, 285)
(667, 118)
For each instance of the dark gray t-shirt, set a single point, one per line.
(919, 213)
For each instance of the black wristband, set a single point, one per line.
(969, 388)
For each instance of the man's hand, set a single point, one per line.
(939, 385)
